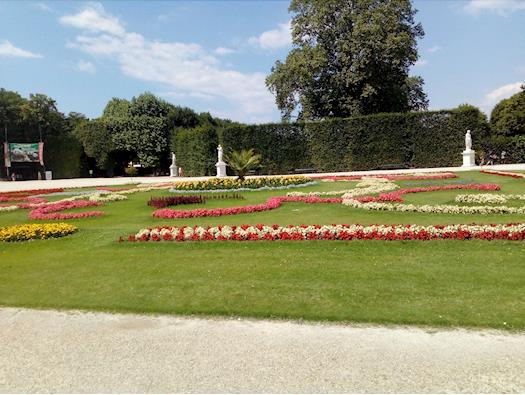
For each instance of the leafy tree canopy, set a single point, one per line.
(508, 117)
(349, 57)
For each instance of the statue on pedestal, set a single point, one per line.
(174, 170)
(220, 165)
(469, 155)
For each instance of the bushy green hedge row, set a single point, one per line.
(422, 139)
(62, 155)
(196, 150)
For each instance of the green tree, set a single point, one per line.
(508, 117)
(10, 107)
(96, 140)
(42, 117)
(349, 57)
(116, 108)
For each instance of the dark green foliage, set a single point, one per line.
(349, 58)
(96, 140)
(144, 136)
(62, 155)
(419, 139)
(508, 117)
(281, 145)
(196, 150)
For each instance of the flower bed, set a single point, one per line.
(231, 184)
(366, 186)
(429, 208)
(49, 211)
(35, 231)
(271, 204)
(482, 198)
(166, 201)
(392, 177)
(331, 232)
(22, 195)
(503, 173)
(396, 195)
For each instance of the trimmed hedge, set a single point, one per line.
(282, 146)
(422, 139)
(196, 150)
(62, 155)
(417, 139)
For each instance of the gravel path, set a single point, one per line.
(9, 186)
(49, 351)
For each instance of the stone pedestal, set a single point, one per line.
(174, 171)
(221, 169)
(469, 158)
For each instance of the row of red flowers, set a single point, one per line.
(503, 173)
(332, 232)
(276, 201)
(272, 203)
(24, 195)
(392, 177)
(49, 211)
(395, 196)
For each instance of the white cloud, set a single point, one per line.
(421, 63)
(503, 92)
(85, 66)
(43, 7)
(502, 7)
(94, 19)
(434, 49)
(223, 51)
(185, 68)
(272, 39)
(8, 49)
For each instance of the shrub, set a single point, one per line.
(166, 201)
(196, 150)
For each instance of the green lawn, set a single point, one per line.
(444, 283)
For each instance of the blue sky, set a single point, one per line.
(214, 55)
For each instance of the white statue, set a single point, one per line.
(220, 165)
(174, 170)
(468, 141)
(219, 149)
(469, 156)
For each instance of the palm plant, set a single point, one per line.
(241, 162)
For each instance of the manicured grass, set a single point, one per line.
(458, 283)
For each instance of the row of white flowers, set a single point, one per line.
(437, 208)
(342, 232)
(487, 198)
(8, 208)
(366, 186)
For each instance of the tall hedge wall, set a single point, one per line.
(282, 146)
(196, 150)
(422, 139)
(62, 155)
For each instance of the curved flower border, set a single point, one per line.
(392, 177)
(503, 173)
(271, 204)
(49, 211)
(331, 232)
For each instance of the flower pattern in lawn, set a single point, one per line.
(331, 232)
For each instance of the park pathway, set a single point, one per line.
(49, 351)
